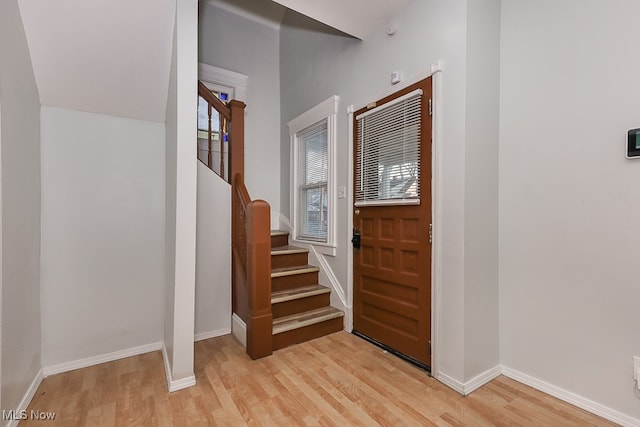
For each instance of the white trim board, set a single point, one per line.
(436, 216)
(24, 403)
(101, 358)
(239, 329)
(572, 398)
(217, 75)
(283, 223)
(211, 334)
(175, 385)
(471, 385)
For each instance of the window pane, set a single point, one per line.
(203, 116)
(388, 152)
(314, 213)
(313, 167)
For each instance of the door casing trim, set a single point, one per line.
(435, 71)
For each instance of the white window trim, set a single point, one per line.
(328, 110)
(226, 79)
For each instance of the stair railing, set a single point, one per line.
(224, 116)
(250, 229)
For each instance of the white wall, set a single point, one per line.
(181, 189)
(213, 255)
(238, 44)
(102, 234)
(568, 198)
(481, 327)
(171, 148)
(316, 64)
(20, 197)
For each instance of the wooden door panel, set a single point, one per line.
(392, 268)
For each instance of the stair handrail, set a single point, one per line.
(251, 247)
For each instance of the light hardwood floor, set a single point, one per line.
(338, 380)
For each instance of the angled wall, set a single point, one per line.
(180, 199)
(20, 197)
(481, 321)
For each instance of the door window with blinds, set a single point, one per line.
(388, 155)
(312, 169)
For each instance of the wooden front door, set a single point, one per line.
(392, 267)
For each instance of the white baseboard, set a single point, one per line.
(175, 385)
(478, 381)
(450, 382)
(102, 358)
(572, 398)
(183, 383)
(283, 223)
(211, 334)
(24, 403)
(471, 385)
(239, 329)
(550, 389)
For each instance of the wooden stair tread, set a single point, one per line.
(290, 271)
(286, 250)
(300, 320)
(298, 293)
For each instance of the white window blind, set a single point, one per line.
(312, 197)
(388, 153)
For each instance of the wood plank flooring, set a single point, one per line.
(337, 380)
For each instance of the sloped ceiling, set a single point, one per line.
(358, 18)
(265, 12)
(102, 56)
(113, 56)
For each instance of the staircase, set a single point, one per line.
(300, 306)
(295, 308)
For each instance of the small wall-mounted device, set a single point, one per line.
(633, 144)
(396, 77)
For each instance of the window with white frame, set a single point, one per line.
(312, 174)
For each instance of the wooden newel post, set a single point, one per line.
(236, 138)
(260, 318)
